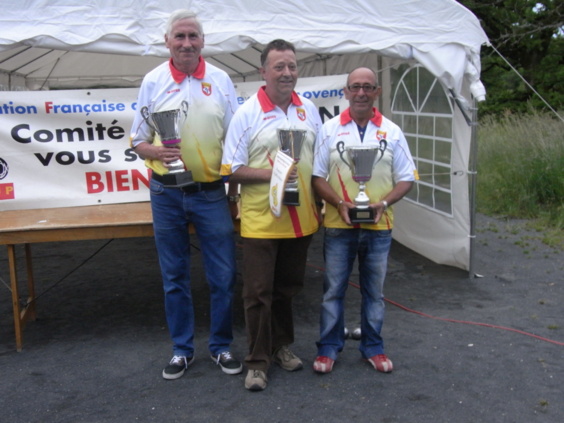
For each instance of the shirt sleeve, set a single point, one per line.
(403, 165)
(231, 103)
(140, 130)
(321, 154)
(235, 150)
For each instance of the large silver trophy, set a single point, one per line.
(168, 124)
(291, 141)
(361, 160)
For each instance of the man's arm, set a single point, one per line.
(249, 175)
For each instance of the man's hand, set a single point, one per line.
(165, 154)
(234, 210)
(343, 209)
(168, 155)
(379, 210)
(293, 176)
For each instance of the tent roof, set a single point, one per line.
(71, 43)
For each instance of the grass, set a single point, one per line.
(521, 171)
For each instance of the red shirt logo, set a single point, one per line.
(381, 135)
(206, 88)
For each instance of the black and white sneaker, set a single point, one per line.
(177, 367)
(228, 363)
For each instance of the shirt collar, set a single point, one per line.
(179, 76)
(268, 106)
(376, 119)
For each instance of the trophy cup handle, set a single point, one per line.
(341, 150)
(184, 108)
(381, 149)
(147, 118)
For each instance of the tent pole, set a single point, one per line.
(473, 173)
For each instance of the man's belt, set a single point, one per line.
(196, 186)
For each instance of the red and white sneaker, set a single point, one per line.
(381, 363)
(323, 364)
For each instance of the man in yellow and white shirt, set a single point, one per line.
(212, 101)
(392, 177)
(274, 248)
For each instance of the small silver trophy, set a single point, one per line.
(362, 159)
(168, 125)
(291, 141)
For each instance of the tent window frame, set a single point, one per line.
(428, 129)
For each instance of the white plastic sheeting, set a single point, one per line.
(441, 34)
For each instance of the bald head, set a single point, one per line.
(365, 74)
(361, 91)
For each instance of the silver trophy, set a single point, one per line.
(362, 159)
(168, 124)
(291, 141)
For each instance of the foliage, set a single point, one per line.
(521, 168)
(529, 34)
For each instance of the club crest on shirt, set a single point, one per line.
(301, 113)
(381, 135)
(206, 88)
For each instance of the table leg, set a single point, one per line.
(27, 312)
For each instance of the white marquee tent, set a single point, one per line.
(427, 53)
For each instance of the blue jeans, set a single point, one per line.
(340, 249)
(209, 212)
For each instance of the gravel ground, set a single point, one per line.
(465, 349)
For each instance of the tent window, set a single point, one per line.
(424, 112)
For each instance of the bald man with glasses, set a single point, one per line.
(345, 237)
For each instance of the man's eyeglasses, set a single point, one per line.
(368, 89)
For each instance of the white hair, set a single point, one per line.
(180, 14)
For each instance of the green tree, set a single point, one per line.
(529, 34)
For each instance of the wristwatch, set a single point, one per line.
(234, 198)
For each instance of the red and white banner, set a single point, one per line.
(71, 148)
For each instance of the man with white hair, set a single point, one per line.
(211, 98)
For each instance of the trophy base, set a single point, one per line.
(361, 215)
(178, 179)
(291, 198)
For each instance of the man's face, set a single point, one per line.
(185, 43)
(361, 101)
(280, 73)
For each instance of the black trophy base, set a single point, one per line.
(177, 179)
(291, 198)
(358, 215)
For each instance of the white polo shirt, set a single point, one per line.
(252, 141)
(396, 164)
(212, 102)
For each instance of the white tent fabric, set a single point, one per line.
(36, 36)
(67, 44)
